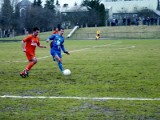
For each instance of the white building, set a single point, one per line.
(129, 6)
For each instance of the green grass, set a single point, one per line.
(43, 35)
(119, 32)
(104, 68)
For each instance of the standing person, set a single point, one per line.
(29, 44)
(56, 31)
(56, 47)
(97, 34)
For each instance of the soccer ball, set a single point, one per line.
(66, 72)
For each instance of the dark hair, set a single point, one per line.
(35, 28)
(61, 28)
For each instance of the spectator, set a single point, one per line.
(148, 21)
(155, 20)
(152, 20)
(124, 21)
(116, 21)
(128, 21)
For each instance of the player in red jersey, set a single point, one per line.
(29, 44)
(56, 31)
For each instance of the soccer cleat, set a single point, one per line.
(24, 74)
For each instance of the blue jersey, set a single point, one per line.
(57, 42)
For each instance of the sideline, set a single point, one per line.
(81, 98)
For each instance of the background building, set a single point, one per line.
(132, 12)
(23, 5)
(129, 6)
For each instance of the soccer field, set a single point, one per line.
(110, 80)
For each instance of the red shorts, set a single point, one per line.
(30, 55)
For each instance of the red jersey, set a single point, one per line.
(31, 43)
(55, 32)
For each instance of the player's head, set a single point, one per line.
(56, 29)
(35, 31)
(61, 31)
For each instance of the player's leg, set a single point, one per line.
(32, 61)
(58, 59)
(96, 37)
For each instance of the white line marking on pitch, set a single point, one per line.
(80, 98)
(125, 48)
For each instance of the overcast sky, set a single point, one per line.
(69, 2)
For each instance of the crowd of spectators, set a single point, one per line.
(134, 21)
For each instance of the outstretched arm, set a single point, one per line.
(63, 49)
(23, 46)
(47, 40)
(67, 52)
(42, 46)
(50, 38)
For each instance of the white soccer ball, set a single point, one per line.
(66, 72)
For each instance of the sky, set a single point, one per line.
(62, 2)
(69, 2)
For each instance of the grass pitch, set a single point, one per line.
(103, 68)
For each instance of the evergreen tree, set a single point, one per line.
(96, 11)
(50, 5)
(75, 4)
(57, 3)
(158, 5)
(102, 14)
(16, 19)
(7, 13)
(39, 2)
(34, 3)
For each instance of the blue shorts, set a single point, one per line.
(55, 53)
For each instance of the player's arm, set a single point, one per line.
(41, 46)
(50, 38)
(63, 49)
(23, 46)
(26, 39)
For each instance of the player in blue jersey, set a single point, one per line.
(57, 46)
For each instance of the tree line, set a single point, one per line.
(47, 16)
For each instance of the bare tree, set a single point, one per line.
(36, 16)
